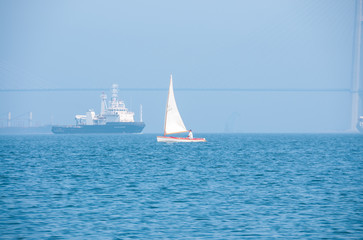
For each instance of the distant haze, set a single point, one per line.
(282, 44)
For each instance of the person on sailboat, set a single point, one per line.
(190, 135)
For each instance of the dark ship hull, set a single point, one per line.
(110, 127)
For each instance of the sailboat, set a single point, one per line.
(173, 121)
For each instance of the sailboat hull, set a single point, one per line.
(179, 139)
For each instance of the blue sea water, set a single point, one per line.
(235, 186)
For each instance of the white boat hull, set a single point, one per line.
(179, 139)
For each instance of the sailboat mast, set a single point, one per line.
(167, 103)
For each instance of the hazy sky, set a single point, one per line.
(281, 44)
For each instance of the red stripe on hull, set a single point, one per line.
(181, 139)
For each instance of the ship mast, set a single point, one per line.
(103, 103)
(114, 102)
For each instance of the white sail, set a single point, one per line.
(173, 120)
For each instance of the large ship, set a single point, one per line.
(114, 118)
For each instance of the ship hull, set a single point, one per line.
(109, 128)
(178, 139)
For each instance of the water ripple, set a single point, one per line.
(232, 187)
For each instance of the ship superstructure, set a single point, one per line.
(115, 111)
(114, 117)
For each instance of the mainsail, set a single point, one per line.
(173, 120)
